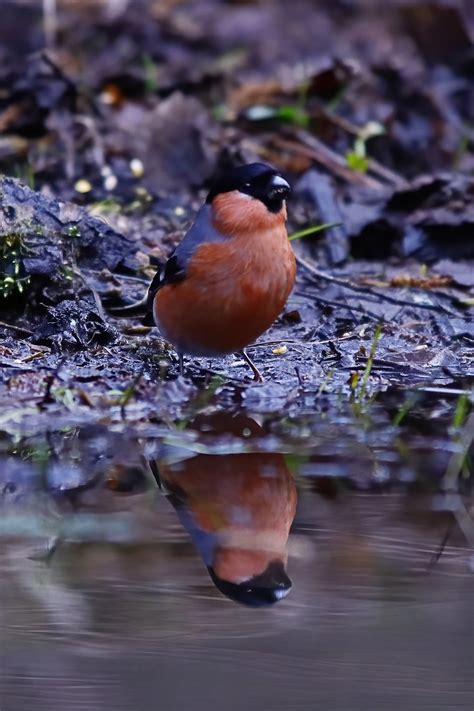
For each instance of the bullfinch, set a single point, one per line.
(238, 509)
(229, 278)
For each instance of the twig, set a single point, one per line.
(441, 391)
(293, 341)
(321, 191)
(95, 294)
(96, 138)
(119, 277)
(386, 365)
(316, 150)
(374, 166)
(365, 290)
(338, 304)
(437, 555)
(137, 307)
(23, 368)
(201, 369)
(47, 397)
(19, 329)
(370, 298)
(50, 22)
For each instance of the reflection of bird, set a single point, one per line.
(231, 275)
(238, 509)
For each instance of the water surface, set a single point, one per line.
(224, 565)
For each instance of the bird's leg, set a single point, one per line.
(181, 364)
(257, 376)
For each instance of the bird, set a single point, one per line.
(231, 275)
(237, 508)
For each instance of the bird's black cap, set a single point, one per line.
(258, 180)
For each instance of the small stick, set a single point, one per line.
(386, 173)
(257, 376)
(19, 329)
(365, 290)
(325, 156)
(319, 187)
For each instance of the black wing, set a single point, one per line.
(200, 232)
(173, 273)
(152, 289)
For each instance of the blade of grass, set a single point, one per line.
(370, 362)
(404, 410)
(461, 411)
(313, 230)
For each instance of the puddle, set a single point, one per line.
(234, 559)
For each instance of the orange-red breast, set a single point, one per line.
(229, 278)
(238, 509)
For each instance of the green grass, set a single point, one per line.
(312, 230)
(362, 391)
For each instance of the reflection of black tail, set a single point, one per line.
(264, 589)
(156, 472)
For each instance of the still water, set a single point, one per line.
(225, 567)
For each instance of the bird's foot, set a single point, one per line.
(181, 364)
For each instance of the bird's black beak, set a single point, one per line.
(260, 591)
(278, 188)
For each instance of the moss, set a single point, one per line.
(74, 231)
(12, 276)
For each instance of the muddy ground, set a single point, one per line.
(112, 118)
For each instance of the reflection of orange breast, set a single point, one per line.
(238, 509)
(231, 294)
(236, 491)
(247, 500)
